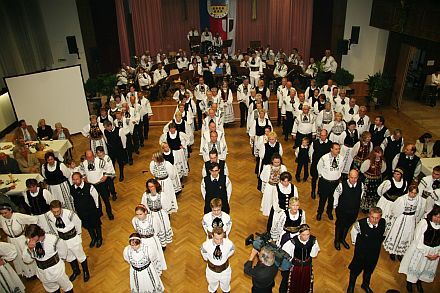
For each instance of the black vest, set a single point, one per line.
(302, 251)
(269, 152)
(216, 190)
(350, 199)
(393, 193)
(180, 127)
(38, 204)
(114, 142)
(303, 154)
(370, 239)
(408, 166)
(431, 237)
(85, 205)
(292, 223)
(55, 177)
(392, 149)
(169, 157)
(351, 141)
(320, 149)
(174, 143)
(377, 137)
(283, 199)
(259, 130)
(262, 93)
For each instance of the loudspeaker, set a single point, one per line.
(354, 39)
(71, 44)
(342, 47)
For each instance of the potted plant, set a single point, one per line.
(343, 78)
(379, 87)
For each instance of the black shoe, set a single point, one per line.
(86, 275)
(393, 257)
(313, 194)
(399, 257)
(337, 245)
(121, 178)
(409, 286)
(330, 216)
(350, 289)
(92, 243)
(98, 243)
(286, 138)
(130, 162)
(366, 288)
(305, 180)
(137, 152)
(298, 179)
(318, 217)
(419, 286)
(142, 145)
(75, 270)
(111, 217)
(345, 244)
(114, 197)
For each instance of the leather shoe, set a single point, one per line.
(419, 286)
(337, 245)
(121, 179)
(313, 194)
(345, 244)
(319, 217)
(98, 243)
(399, 257)
(92, 243)
(409, 287)
(350, 289)
(111, 217)
(114, 197)
(366, 288)
(330, 216)
(393, 257)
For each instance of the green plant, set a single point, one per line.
(101, 84)
(379, 87)
(343, 77)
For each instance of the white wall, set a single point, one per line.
(368, 56)
(7, 116)
(61, 20)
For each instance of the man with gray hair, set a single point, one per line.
(264, 273)
(304, 125)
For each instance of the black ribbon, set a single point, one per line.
(39, 250)
(217, 253)
(59, 223)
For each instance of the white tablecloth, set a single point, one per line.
(428, 164)
(20, 185)
(59, 147)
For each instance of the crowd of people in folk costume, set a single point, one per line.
(355, 163)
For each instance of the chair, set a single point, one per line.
(428, 90)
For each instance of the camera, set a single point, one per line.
(260, 240)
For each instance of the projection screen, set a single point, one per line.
(56, 95)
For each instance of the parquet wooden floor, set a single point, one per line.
(186, 269)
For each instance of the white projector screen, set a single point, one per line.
(56, 95)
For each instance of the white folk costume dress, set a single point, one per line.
(164, 172)
(57, 180)
(148, 229)
(285, 225)
(158, 206)
(406, 212)
(68, 228)
(218, 269)
(210, 221)
(169, 157)
(270, 177)
(95, 132)
(429, 189)
(51, 269)
(336, 129)
(14, 229)
(415, 264)
(145, 270)
(9, 280)
(389, 191)
(226, 102)
(176, 141)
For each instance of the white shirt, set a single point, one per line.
(325, 168)
(329, 64)
(362, 125)
(159, 74)
(304, 124)
(227, 248)
(209, 218)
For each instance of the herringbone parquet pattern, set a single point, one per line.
(186, 269)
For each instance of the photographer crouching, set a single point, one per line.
(264, 272)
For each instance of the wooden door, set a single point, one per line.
(405, 55)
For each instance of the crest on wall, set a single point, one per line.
(218, 8)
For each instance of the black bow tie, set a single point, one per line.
(435, 184)
(351, 111)
(334, 163)
(361, 121)
(59, 223)
(217, 253)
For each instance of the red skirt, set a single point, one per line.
(301, 279)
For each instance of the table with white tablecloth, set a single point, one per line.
(59, 147)
(20, 182)
(428, 164)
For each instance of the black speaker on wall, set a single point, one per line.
(71, 44)
(342, 47)
(355, 30)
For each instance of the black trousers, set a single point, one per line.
(288, 124)
(284, 281)
(243, 114)
(129, 148)
(344, 220)
(103, 192)
(325, 190)
(199, 115)
(146, 125)
(279, 117)
(118, 157)
(136, 137)
(300, 166)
